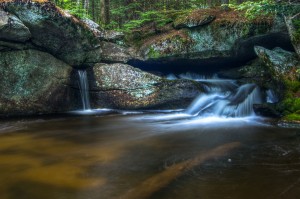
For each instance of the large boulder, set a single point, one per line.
(33, 82)
(193, 20)
(112, 52)
(56, 31)
(125, 87)
(220, 35)
(11, 28)
(279, 63)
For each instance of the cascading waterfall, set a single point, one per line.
(84, 89)
(224, 98)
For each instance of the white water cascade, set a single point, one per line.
(84, 89)
(224, 98)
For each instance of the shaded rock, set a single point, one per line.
(252, 72)
(266, 110)
(110, 35)
(7, 46)
(114, 53)
(125, 87)
(228, 38)
(174, 44)
(11, 28)
(280, 63)
(56, 31)
(193, 20)
(33, 82)
(212, 41)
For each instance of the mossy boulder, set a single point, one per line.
(125, 87)
(228, 37)
(174, 44)
(280, 74)
(193, 20)
(56, 31)
(281, 64)
(33, 82)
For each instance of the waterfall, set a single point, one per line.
(84, 89)
(271, 96)
(224, 98)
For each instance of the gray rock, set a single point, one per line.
(219, 39)
(125, 87)
(33, 82)
(279, 62)
(266, 110)
(56, 31)
(114, 53)
(11, 28)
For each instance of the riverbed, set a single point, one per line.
(136, 155)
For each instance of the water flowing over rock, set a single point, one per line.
(224, 98)
(33, 82)
(84, 89)
(123, 86)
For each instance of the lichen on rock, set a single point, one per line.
(32, 82)
(123, 86)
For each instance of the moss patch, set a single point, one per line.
(292, 117)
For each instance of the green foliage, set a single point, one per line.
(291, 104)
(265, 8)
(256, 9)
(157, 18)
(73, 8)
(296, 35)
(292, 86)
(153, 53)
(292, 117)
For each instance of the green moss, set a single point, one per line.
(291, 105)
(292, 117)
(153, 53)
(296, 36)
(292, 86)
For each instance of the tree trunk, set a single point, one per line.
(104, 12)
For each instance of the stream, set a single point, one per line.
(158, 155)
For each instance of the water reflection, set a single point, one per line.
(166, 155)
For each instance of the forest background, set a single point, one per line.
(125, 15)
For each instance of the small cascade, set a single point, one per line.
(84, 89)
(224, 98)
(271, 96)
